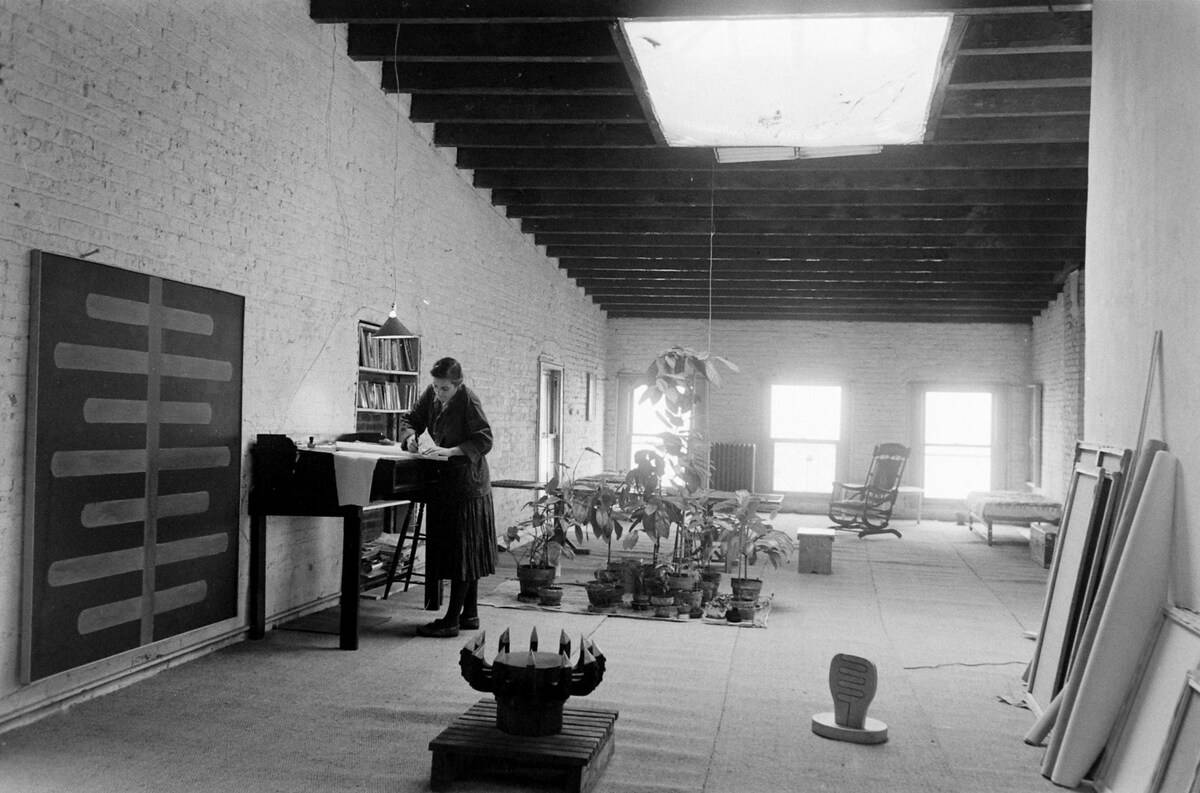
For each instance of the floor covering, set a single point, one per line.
(943, 617)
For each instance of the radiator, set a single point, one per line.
(732, 466)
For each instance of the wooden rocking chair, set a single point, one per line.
(867, 508)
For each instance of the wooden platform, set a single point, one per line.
(472, 743)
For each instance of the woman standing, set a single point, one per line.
(460, 542)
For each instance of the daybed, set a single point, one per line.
(1010, 506)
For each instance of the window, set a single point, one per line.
(646, 426)
(806, 424)
(958, 443)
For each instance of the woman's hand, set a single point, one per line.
(441, 452)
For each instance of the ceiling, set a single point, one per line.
(981, 223)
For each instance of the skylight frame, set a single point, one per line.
(647, 43)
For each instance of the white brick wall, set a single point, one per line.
(233, 145)
(1058, 335)
(880, 363)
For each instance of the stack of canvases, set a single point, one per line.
(1113, 673)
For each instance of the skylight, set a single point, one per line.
(789, 81)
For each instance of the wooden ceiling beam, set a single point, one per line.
(751, 198)
(897, 312)
(860, 302)
(974, 102)
(539, 11)
(868, 227)
(525, 109)
(949, 156)
(1019, 66)
(782, 293)
(570, 79)
(629, 252)
(882, 280)
(541, 135)
(980, 179)
(1071, 213)
(1070, 242)
(552, 43)
(735, 269)
(1000, 31)
(1007, 129)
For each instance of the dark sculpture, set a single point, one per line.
(531, 687)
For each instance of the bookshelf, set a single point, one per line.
(389, 372)
(388, 379)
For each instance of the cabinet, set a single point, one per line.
(388, 378)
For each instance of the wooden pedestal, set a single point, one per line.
(472, 743)
(814, 550)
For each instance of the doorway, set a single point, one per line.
(550, 378)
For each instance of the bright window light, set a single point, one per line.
(958, 443)
(646, 427)
(789, 81)
(806, 424)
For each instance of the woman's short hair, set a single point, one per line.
(447, 369)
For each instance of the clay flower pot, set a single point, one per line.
(532, 579)
(550, 595)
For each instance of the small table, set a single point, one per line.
(472, 742)
(908, 502)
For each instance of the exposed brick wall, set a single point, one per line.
(1058, 341)
(881, 364)
(234, 145)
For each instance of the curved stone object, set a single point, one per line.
(852, 682)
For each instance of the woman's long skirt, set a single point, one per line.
(460, 538)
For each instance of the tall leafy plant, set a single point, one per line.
(664, 491)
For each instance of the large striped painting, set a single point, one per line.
(132, 461)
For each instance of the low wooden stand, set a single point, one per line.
(473, 743)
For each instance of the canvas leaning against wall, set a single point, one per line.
(132, 461)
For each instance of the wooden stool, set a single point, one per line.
(814, 550)
(472, 742)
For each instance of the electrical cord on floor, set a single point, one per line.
(964, 663)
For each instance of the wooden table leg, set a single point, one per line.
(351, 554)
(256, 595)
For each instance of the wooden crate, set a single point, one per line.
(576, 756)
(1041, 542)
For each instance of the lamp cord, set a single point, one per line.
(712, 233)
(395, 163)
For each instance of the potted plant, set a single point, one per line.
(642, 495)
(538, 541)
(595, 512)
(747, 534)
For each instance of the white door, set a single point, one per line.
(549, 420)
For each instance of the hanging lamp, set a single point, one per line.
(392, 328)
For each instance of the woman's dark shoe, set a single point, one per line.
(468, 623)
(437, 629)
